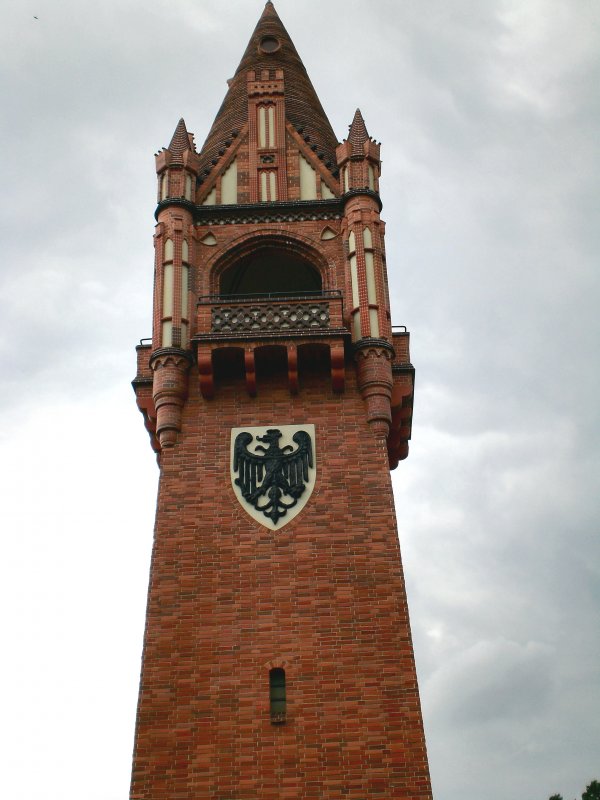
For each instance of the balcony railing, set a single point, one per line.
(233, 316)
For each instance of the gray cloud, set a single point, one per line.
(488, 113)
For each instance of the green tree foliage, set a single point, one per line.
(592, 792)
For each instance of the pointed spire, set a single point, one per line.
(269, 11)
(270, 48)
(358, 134)
(181, 140)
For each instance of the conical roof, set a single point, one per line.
(180, 141)
(358, 133)
(303, 108)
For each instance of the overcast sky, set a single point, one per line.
(488, 111)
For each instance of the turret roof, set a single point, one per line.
(180, 141)
(303, 108)
(358, 133)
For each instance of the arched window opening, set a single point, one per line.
(271, 271)
(277, 696)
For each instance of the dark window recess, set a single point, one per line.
(277, 694)
(268, 270)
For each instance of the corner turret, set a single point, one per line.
(177, 167)
(358, 158)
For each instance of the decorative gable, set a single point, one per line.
(224, 183)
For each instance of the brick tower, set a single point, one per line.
(277, 658)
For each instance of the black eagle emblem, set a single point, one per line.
(278, 472)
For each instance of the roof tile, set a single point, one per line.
(303, 108)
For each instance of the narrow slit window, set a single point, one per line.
(262, 127)
(168, 292)
(185, 281)
(277, 696)
(266, 127)
(371, 178)
(268, 186)
(167, 321)
(264, 193)
(271, 122)
(371, 285)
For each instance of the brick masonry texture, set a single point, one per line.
(323, 597)
(303, 107)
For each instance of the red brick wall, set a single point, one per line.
(323, 597)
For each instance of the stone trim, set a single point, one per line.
(358, 192)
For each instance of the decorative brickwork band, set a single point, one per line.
(269, 317)
(170, 386)
(374, 372)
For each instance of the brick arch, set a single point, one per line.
(297, 246)
(277, 662)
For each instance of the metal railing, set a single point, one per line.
(210, 299)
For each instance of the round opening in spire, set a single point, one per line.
(269, 44)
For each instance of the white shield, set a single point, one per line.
(273, 471)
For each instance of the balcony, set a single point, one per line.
(241, 329)
(269, 316)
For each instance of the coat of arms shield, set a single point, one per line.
(273, 471)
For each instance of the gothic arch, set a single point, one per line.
(250, 266)
(282, 662)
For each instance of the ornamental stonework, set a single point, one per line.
(269, 317)
(273, 471)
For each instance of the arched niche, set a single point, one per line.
(270, 268)
(228, 363)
